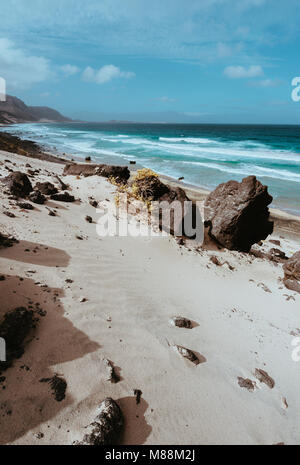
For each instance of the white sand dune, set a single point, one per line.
(132, 287)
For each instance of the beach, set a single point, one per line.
(112, 298)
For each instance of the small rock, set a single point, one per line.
(138, 394)
(112, 376)
(46, 188)
(37, 197)
(275, 242)
(181, 322)
(25, 205)
(94, 203)
(107, 426)
(263, 377)
(63, 197)
(246, 383)
(89, 219)
(284, 403)
(187, 353)
(9, 214)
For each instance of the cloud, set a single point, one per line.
(166, 99)
(21, 69)
(105, 74)
(240, 72)
(267, 83)
(70, 70)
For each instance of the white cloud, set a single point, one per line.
(239, 72)
(70, 70)
(268, 83)
(166, 99)
(105, 74)
(20, 69)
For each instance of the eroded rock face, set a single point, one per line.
(18, 184)
(107, 426)
(120, 173)
(237, 214)
(292, 272)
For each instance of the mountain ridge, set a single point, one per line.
(14, 110)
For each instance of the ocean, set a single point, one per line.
(204, 154)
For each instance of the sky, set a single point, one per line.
(190, 61)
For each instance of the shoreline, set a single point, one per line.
(284, 222)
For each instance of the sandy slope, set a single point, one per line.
(138, 284)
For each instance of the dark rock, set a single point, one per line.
(63, 197)
(263, 377)
(246, 383)
(18, 184)
(14, 329)
(58, 386)
(9, 214)
(150, 188)
(277, 255)
(37, 197)
(237, 214)
(181, 322)
(89, 219)
(7, 241)
(132, 162)
(292, 272)
(46, 188)
(107, 426)
(111, 373)
(25, 205)
(51, 212)
(138, 394)
(120, 173)
(188, 354)
(215, 260)
(87, 158)
(94, 203)
(275, 242)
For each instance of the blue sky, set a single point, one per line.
(223, 61)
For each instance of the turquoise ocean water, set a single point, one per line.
(205, 155)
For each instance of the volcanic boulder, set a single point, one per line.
(18, 184)
(292, 272)
(237, 214)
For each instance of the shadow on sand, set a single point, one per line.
(25, 402)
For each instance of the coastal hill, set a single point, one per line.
(14, 110)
